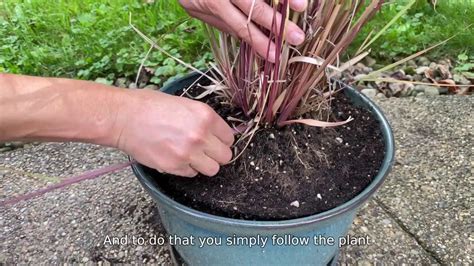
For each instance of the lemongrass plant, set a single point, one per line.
(300, 79)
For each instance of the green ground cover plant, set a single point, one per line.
(89, 39)
(423, 26)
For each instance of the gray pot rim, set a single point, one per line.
(353, 203)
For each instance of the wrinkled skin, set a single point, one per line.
(173, 134)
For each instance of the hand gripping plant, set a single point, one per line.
(299, 81)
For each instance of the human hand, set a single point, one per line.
(231, 16)
(173, 134)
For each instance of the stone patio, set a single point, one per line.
(422, 214)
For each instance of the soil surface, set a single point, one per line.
(289, 172)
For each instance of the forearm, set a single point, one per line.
(50, 109)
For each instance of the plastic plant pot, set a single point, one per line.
(185, 222)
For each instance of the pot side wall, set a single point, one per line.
(182, 221)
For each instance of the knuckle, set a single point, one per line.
(238, 3)
(196, 137)
(231, 138)
(183, 154)
(192, 173)
(206, 112)
(213, 6)
(228, 155)
(242, 31)
(259, 10)
(181, 173)
(186, 172)
(175, 170)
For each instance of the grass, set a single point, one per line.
(90, 38)
(423, 27)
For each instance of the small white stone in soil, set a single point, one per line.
(339, 140)
(284, 172)
(369, 92)
(272, 136)
(295, 204)
(309, 136)
(281, 162)
(256, 168)
(252, 163)
(256, 179)
(319, 196)
(251, 144)
(235, 208)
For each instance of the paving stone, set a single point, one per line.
(422, 215)
(430, 188)
(388, 242)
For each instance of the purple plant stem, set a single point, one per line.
(276, 67)
(67, 182)
(292, 104)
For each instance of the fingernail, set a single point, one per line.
(299, 5)
(296, 37)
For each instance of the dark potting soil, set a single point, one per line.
(290, 172)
